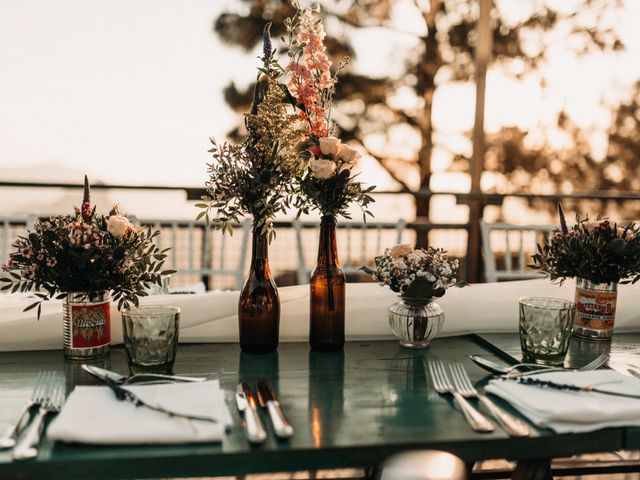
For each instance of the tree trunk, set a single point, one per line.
(425, 88)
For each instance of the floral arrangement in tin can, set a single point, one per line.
(85, 252)
(416, 273)
(599, 250)
(328, 184)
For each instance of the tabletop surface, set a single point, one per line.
(350, 409)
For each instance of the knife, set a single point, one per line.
(268, 400)
(246, 403)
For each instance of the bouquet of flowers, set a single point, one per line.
(327, 185)
(85, 252)
(598, 250)
(417, 274)
(257, 177)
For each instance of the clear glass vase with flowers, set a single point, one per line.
(328, 185)
(87, 260)
(419, 276)
(600, 254)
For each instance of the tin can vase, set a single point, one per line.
(415, 321)
(595, 309)
(87, 324)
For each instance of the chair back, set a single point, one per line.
(201, 250)
(358, 243)
(12, 225)
(517, 242)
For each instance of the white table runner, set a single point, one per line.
(211, 317)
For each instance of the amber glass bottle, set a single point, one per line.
(259, 304)
(327, 296)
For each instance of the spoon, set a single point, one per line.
(501, 369)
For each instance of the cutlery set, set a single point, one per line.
(246, 403)
(24, 437)
(452, 378)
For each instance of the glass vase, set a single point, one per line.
(259, 304)
(415, 321)
(595, 309)
(86, 324)
(327, 293)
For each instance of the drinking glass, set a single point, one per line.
(545, 329)
(151, 338)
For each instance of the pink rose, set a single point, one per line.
(400, 250)
(347, 154)
(119, 226)
(329, 146)
(591, 225)
(322, 169)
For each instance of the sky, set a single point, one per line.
(129, 91)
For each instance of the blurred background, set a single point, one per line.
(462, 110)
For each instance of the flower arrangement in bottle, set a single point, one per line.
(258, 178)
(328, 185)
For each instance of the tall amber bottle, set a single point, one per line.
(259, 304)
(327, 296)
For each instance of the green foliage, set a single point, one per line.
(333, 196)
(257, 176)
(79, 254)
(596, 250)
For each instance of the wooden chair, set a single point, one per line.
(210, 254)
(354, 240)
(517, 242)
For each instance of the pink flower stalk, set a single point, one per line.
(311, 73)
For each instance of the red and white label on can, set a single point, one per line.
(90, 325)
(595, 309)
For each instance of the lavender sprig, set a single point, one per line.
(565, 386)
(124, 395)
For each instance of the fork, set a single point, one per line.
(596, 363)
(442, 384)
(462, 383)
(8, 439)
(52, 402)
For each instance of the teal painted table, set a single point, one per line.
(351, 409)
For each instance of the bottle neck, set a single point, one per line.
(327, 249)
(259, 247)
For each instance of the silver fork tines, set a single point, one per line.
(508, 422)
(442, 384)
(10, 436)
(51, 402)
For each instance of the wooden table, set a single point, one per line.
(351, 409)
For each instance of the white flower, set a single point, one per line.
(118, 226)
(322, 169)
(400, 250)
(347, 154)
(329, 146)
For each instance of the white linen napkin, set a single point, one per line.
(94, 415)
(567, 411)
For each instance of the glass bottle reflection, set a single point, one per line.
(259, 304)
(326, 396)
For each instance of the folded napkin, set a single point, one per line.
(94, 415)
(569, 411)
